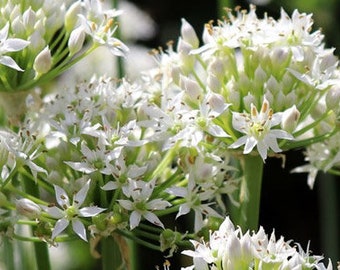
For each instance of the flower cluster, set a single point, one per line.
(229, 248)
(247, 61)
(40, 40)
(130, 153)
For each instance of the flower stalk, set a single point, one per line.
(246, 214)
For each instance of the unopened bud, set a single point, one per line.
(188, 34)
(28, 208)
(3, 153)
(290, 118)
(29, 19)
(192, 89)
(71, 16)
(217, 67)
(213, 83)
(76, 40)
(248, 100)
(333, 97)
(43, 62)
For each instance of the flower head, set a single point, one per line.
(71, 212)
(258, 129)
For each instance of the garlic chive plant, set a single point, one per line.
(110, 160)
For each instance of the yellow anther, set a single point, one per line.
(108, 25)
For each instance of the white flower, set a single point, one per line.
(141, 204)
(257, 127)
(229, 248)
(194, 199)
(71, 212)
(10, 45)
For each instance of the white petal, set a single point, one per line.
(239, 142)
(60, 226)
(61, 196)
(272, 143)
(262, 149)
(281, 134)
(135, 218)
(15, 44)
(250, 144)
(90, 211)
(80, 166)
(151, 217)
(4, 32)
(177, 191)
(79, 198)
(128, 205)
(54, 211)
(110, 186)
(8, 61)
(183, 210)
(158, 204)
(79, 229)
(217, 131)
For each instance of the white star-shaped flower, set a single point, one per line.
(257, 127)
(141, 204)
(71, 212)
(10, 45)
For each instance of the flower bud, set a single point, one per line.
(290, 118)
(28, 208)
(213, 83)
(43, 62)
(216, 67)
(188, 34)
(17, 27)
(3, 152)
(192, 89)
(71, 16)
(333, 97)
(76, 40)
(29, 19)
(247, 100)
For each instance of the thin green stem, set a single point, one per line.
(137, 240)
(8, 253)
(112, 257)
(329, 222)
(120, 63)
(40, 248)
(221, 5)
(246, 215)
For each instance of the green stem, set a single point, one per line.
(246, 215)
(40, 248)
(223, 4)
(329, 221)
(112, 256)
(8, 253)
(120, 63)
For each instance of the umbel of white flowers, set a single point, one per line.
(49, 37)
(228, 248)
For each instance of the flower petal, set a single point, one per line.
(61, 196)
(60, 226)
(151, 217)
(79, 198)
(79, 229)
(135, 218)
(8, 61)
(90, 211)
